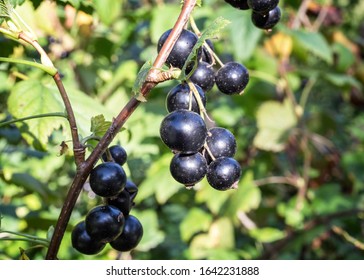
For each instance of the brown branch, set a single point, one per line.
(274, 249)
(116, 125)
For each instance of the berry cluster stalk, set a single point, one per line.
(85, 167)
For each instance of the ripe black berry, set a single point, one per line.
(181, 96)
(183, 131)
(203, 76)
(122, 201)
(221, 142)
(262, 6)
(232, 78)
(83, 243)
(223, 173)
(188, 169)
(107, 179)
(206, 56)
(239, 4)
(267, 21)
(104, 223)
(131, 236)
(181, 49)
(118, 155)
(132, 189)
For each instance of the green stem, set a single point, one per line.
(56, 114)
(45, 244)
(28, 236)
(49, 70)
(306, 91)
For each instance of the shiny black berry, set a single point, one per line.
(107, 179)
(267, 21)
(239, 4)
(262, 6)
(104, 223)
(206, 56)
(232, 78)
(221, 142)
(181, 97)
(223, 173)
(203, 76)
(122, 201)
(131, 236)
(132, 189)
(82, 241)
(182, 48)
(117, 153)
(183, 131)
(188, 169)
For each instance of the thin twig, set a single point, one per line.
(116, 125)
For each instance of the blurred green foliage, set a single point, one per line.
(299, 128)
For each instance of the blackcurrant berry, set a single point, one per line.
(117, 153)
(262, 6)
(122, 201)
(221, 142)
(239, 4)
(188, 169)
(267, 21)
(132, 189)
(223, 173)
(182, 97)
(131, 236)
(203, 76)
(206, 56)
(107, 179)
(232, 78)
(82, 241)
(104, 223)
(182, 48)
(183, 131)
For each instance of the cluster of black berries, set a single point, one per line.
(265, 13)
(200, 151)
(110, 222)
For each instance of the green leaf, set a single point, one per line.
(29, 98)
(142, 75)
(190, 226)
(247, 197)
(274, 120)
(108, 10)
(315, 43)
(239, 30)
(210, 32)
(267, 234)
(99, 125)
(342, 80)
(152, 235)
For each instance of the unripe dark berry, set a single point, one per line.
(182, 48)
(82, 241)
(107, 179)
(239, 4)
(203, 76)
(262, 6)
(232, 78)
(181, 97)
(188, 169)
(223, 173)
(118, 154)
(267, 21)
(104, 223)
(183, 131)
(131, 236)
(221, 142)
